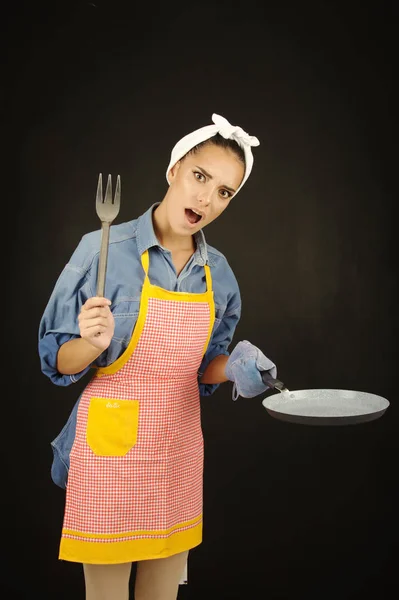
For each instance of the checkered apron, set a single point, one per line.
(134, 489)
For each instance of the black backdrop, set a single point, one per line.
(290, 511)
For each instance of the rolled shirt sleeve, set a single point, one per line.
(59, 322)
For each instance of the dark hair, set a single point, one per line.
(219, 140)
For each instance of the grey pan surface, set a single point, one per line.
(325, 407)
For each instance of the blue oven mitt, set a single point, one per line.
(243, 369)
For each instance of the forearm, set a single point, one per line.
(76, 355)
(215, 371)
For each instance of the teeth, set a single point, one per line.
(197, 213)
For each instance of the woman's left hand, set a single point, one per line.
(244, 367)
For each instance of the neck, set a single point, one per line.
(166, 237)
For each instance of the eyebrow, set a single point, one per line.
(210, 177)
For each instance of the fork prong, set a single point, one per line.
(99, 194)
(117, 197)
(108, 191)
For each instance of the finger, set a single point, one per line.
(96, 301)
(93, 331)
(92, 313)
(90, 324)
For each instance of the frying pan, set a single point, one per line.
(322, 407)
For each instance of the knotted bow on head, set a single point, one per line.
(226, 130)
(234, 132)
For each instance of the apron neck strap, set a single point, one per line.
(208, 278)
(145, 261)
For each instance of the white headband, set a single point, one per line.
(228, 131)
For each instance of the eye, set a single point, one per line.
(225, 194)
(199, 176)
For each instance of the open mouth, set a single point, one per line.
(192, 217)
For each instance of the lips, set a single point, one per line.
(193, 215)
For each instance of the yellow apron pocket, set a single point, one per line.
(112, 426)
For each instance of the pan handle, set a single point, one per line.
(275, 384)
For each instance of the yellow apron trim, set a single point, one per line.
(153, 291)
(119, 362)
(211, 321)
(161, 294)
(111, 552)
(151, 532)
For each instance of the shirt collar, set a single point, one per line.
(146, 238)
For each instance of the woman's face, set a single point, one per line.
(201, 187)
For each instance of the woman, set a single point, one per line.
(131, 453)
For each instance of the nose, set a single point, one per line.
(204, 197)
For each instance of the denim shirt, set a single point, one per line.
(125, 276)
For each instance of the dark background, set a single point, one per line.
(291, 512)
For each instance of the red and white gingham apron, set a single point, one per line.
(134, 488)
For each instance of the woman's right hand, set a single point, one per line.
(96, 322)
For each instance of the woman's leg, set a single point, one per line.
(158, 579)
(107, 582)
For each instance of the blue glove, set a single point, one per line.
(243, 369)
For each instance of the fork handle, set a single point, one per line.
(102, 263)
